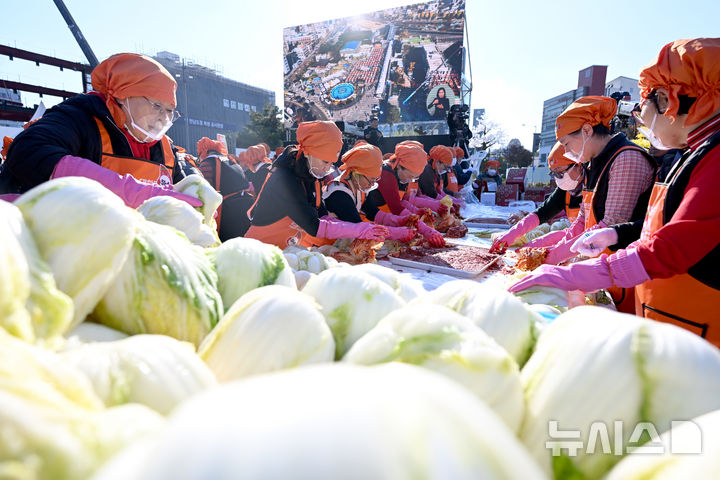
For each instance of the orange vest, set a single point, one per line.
(572, 213)
(452, 183)
(284, 232)
(143, 170)
(680, 300)
(624, 298)
(341, 184)
(411, 191)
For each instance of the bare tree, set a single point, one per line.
(487, 134)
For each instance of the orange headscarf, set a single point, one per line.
(240, 159)
(459, 153)
(266, 147)
(414, 143)
(126, 75)
(492, 164)
(557, 157)
(590, 109)
(278, 151)
(205, 145)
(441, 153)
(320, 139)
(254, 155)
(359, 142)
(363, 159)
(409, 156)
(686, 67)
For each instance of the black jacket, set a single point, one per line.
(69, 128)
(289, 192)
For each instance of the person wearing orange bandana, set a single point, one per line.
(228, 178)
(398, 188)
(431, 181)
(346, 197)
(114, 135)
(569, 178)
(674, 264)
(257, 166)
(289, 208)
(618, 173)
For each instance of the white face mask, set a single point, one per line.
(156, 128)
(576, 158)
(652, 138)
(492, 172)
(566, 183)
(319, 172)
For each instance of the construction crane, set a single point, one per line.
(79, 38)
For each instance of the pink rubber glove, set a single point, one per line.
(402, 234)
(622, 269)
(434, 237)
(547, 240)
(422, 201)
(337, 229)
(132, 192)
(593, 243)
(388, 219)
(520, 228)
(409, 207)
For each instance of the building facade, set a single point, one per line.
(623, 84)
(591, 81)
(209, 103)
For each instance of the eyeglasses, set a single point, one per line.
(164, 112)
(653, 97)
(560, 174)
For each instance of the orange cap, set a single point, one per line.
(441, 153)
(409, 156)
(126, 75)
(557, 157)
(590, 109)
(254, 155)
(205, 145)
(686, 67)
(363, 159)
(320, 139)
(459, 153)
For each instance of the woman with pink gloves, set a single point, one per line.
(674, 264)
(569, 177)
(114, 135)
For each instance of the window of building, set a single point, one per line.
(247, 107)
(233, 104)
(226, 103)
(254, 108)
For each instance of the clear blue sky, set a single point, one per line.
(522, 52)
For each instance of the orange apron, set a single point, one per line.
(285, 232)
(624, 298)
(572, 213)
(452, 184)
(680, 300)
(143, 170)
(411, 191)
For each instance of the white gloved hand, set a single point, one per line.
(592, 244)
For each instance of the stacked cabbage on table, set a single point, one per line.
(132, 349)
